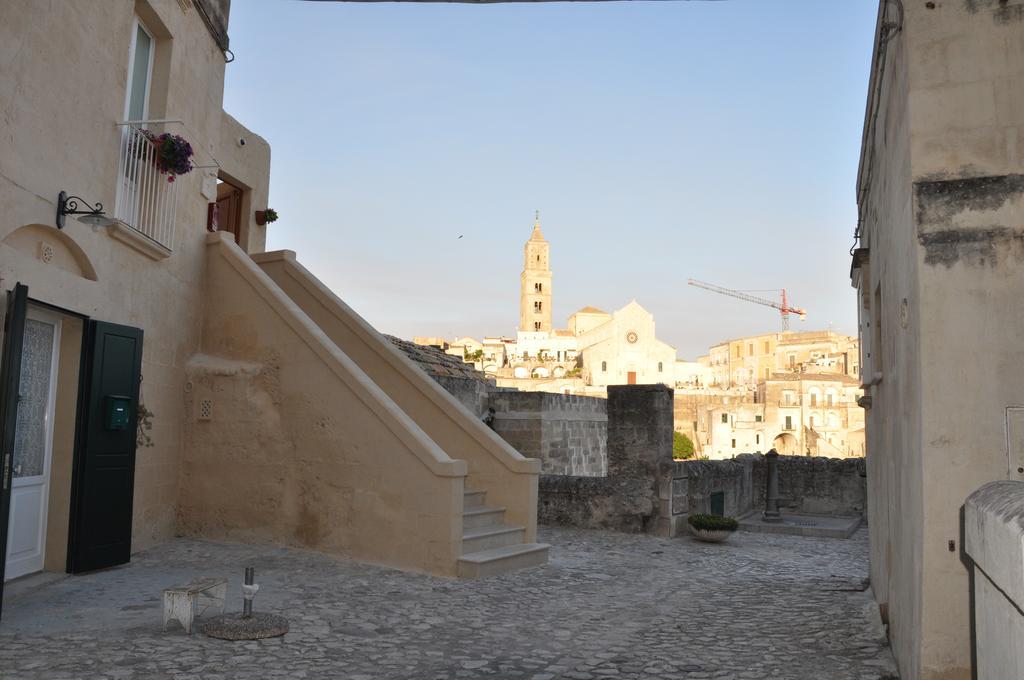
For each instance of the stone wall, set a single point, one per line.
(567, 433)
(636, 494)
(472, 394)
(816, 486)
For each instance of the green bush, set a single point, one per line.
(713, 523)
(682, 446)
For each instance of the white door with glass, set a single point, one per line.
(33, 445)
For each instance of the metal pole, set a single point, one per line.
(250, 576)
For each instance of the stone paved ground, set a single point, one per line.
(607, 606)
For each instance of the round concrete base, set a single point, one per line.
(239, 627)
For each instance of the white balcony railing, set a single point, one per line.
(146, 200)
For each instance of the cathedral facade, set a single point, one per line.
(597, 348)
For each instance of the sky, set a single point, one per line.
(661, 141)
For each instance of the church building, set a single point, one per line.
(596, 350)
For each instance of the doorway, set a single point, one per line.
(69, 391)
(631, 378)
(229, 208)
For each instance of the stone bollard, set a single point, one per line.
(771, 495)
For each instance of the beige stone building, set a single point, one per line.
(789, 391)
(748, 360)
(796, 414)
(940, 288)
(162, 375)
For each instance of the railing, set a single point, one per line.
(146, 200)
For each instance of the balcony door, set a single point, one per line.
(134, 146)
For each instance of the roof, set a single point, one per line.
(536, 235)
(824, 377)
(590, 310)
(563, 333)
(435, 362)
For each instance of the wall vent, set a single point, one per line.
(205, 409)
(45, 252)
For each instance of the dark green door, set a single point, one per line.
(104, 475)
(718, 503)
(10, 377)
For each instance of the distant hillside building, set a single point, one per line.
(749, 360)
(794, 392)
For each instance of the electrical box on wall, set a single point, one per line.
(117, 412)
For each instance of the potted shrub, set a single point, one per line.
(712, 528)
(266, 216)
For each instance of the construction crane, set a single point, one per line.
(784, 309)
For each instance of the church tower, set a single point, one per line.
(535, 286)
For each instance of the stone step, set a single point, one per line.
(473, 499)
(473, 518)
(486, 538)
(501, 560)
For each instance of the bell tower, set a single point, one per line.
(535, 284)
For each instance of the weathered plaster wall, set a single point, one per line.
(65, 65)
(967, 117)
(301, 447)
(247, 167)
(893, 426)
(567, 433)
(509, 478)
(941, 304)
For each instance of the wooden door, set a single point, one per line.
(10, 377)
(104, 476)
(631, 378)
(229, 209)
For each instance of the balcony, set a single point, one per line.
(146, 202)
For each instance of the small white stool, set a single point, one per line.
(184, 603)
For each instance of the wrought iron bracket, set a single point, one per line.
(68, 205)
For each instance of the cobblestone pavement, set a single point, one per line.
(606, 606)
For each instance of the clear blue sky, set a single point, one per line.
(660, 141)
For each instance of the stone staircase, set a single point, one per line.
(491, 547)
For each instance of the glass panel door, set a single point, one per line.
(33, 443)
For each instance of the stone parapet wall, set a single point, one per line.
(636, 495)
(472, 394)
(993, 536)
(567, 433)
(812, 485)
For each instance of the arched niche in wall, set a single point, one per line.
(53, 247)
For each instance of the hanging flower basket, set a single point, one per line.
(173, 154)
